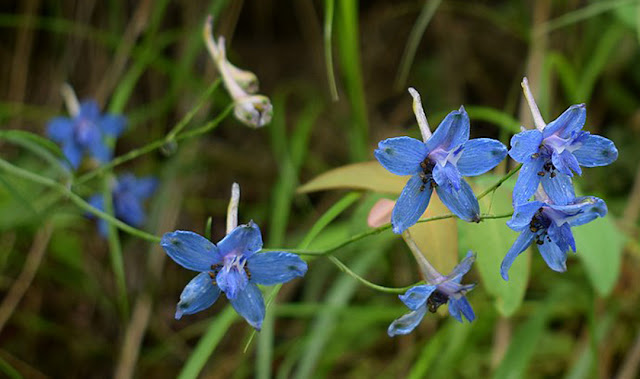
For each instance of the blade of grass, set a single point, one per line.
(207, 344)
(582, 14)
(328, 51)
(350, 60)
(428, 10)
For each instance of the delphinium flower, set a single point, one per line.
(85, 132)
(439, 161)
(548, 225)
(233, 266)
(251, 109)
(552, 153)
(438, 290)
(127, 195)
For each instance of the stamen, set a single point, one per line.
(420, 116)
(535, 112)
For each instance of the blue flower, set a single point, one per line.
(549, 226)
(128, 195)
(439, 162)
(233, 267)
(439, 290)
(85, 133)
(552, 153)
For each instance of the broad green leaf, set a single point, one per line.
(490, 240)
(364, 176)
(600, 245)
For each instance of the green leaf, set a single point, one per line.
(365, 176)
(491, 239)
(600, 245)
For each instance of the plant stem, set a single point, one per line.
(499, 182)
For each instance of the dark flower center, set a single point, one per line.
(436, 299)
(549, 168)
(539, 224)
(215, 269)
(427, 174)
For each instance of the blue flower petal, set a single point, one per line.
(462, 268)
(199, 294)
(571, 121)
(461, 306)
(555, 258)
(128, 209)
(60, 129)
(596, 151)
(411, 204)
(525, 144)
(112, 125)
(144, 187)
(565, 162)
(406, 323)
(275, 267)
(453, 131)
(416, 297)
(522, 215)
(480, 155)
(73, 152)
(521, 244)
(582, 210)
(559, 188)
(528, 180)
(561, 235)
(190, 250)
(462, 203)
(244, 240)
(89, 110)
(401, 155)
(100, 151)
(447, 176)
(232, 281)
(250, 305)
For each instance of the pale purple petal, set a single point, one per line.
(401, 155)
(480, 155)
(250, 305)
(190, 250)
(525, 144)
(411, 204)
(199, 294)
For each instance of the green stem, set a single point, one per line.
(189, 116)
(328, 52)
(154, 145)
(115, 251)
(63, 190)
(499, 182)
(367, 283)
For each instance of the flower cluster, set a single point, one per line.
(550, 154)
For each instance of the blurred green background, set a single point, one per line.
(146, 59)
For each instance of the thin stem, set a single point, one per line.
(189, 116)
(28, 175)
(499, 182)
(153, 146)
(328, 52)
(367, 283)
(115, 251)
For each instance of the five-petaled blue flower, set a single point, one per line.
(550, 156)
(128, 194)
(234, 267)
(85, 133)
(438, 291)
(439, 162)
(549, 226)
